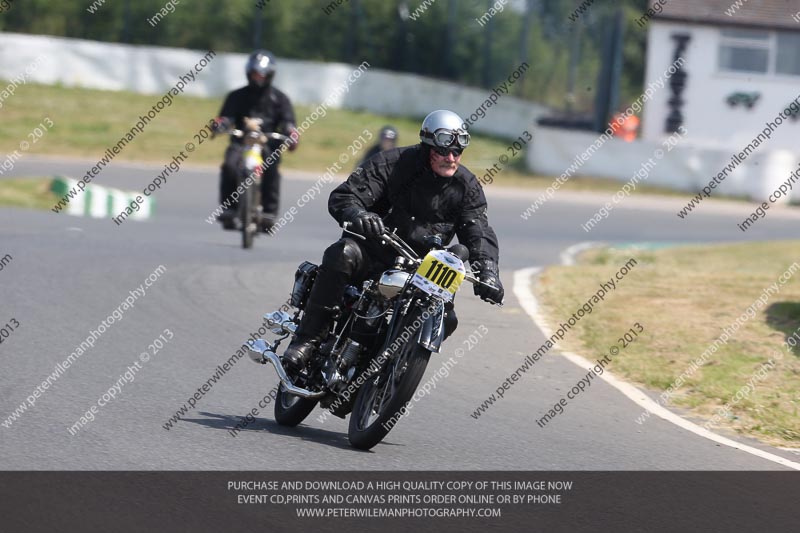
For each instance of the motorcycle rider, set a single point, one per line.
(421, 190)
(387, 139)
(259, 99)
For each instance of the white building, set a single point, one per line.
(742, 65)
(740, 68)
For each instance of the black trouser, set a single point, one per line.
(346, 262)
(233, 172)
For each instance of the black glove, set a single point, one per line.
(490, 275)
(367, 224)
(220, 126)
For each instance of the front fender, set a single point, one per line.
(431, 334)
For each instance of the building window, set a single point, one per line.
(788, 57)
(744, 51)
(759, 52)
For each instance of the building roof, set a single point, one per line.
(771, 14)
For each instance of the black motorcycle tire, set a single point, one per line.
(364, 438)
(249, 226)
(290, 410)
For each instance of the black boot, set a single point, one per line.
(313, 328)
(340, 263)
(228, 219)
(267, 222)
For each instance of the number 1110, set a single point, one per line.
(446, 275)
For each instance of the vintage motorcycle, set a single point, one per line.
(249, 218)
(374, 356)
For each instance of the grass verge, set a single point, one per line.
(32, 193)
(88, 121)
(684, 297)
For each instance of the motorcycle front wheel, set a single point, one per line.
(380, 400)
(249, 224)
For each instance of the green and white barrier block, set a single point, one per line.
(100, 202)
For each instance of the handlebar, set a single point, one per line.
(256, 135)
(406, 251)
(393, 240)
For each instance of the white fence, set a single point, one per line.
(153, 70)
(685, 168)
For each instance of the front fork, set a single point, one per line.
(431, 333)
(431, 330)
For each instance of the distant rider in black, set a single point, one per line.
(387, 139)
(259, 99)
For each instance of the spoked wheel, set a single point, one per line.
(380, 400)
(290, 410)
(249, 224)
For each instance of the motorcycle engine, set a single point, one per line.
(348, 356)
(340, 366)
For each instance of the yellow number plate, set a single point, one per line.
(440, 274)
(253, 160)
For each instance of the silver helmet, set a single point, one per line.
(443, 131)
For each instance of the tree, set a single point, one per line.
(445, 40)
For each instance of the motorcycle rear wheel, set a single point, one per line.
(290, 410)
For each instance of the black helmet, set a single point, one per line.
(388, 132)
(260, 68)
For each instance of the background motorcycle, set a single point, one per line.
(249, 217)
(374, 356)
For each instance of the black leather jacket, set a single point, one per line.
(269, 104)
(400, 186)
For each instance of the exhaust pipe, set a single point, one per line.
(260, 353)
